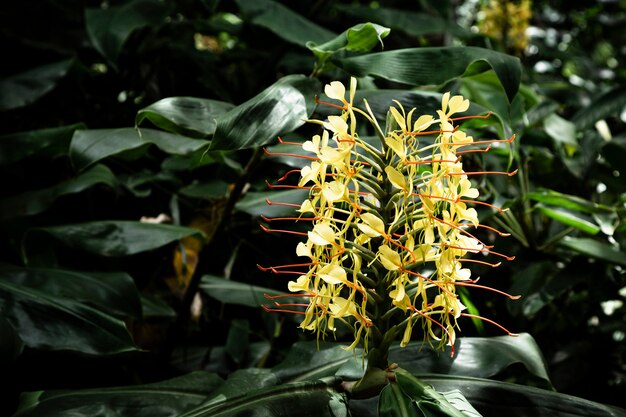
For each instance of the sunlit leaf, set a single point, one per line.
(109, 28)
(569, 218)
(285, 23)
(359, 38)
(25, 88)
(90, 146)
(190, 116)
(280, 108)
(415, 66)
(33, 202)
(169, 398)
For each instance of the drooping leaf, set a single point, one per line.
(435, 65)
(45, 143)
(189, 116)
(110, 238)
(359, 38)
(256, 203)
(594, 249)
(283, 22)
(519, 400)
(34, 202)
(109, 28)
(280, 108)
(48, 321)
(169, 398)
(27, 87)
(481, 357)
(91, 146)
(608, 103)
(113, 292)
(319, 400)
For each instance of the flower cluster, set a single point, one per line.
(390, 222)
(507, 21)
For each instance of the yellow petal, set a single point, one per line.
(457, 104)
(389, 258)
(333, 274)
(371, 225)
(335, 90)
(399, 118)
(396, 179)
(322, 234)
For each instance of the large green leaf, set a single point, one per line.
(256, 203)
(282, 21)
(608, 103)
(234, 292)
(112, 292)
(48, 321)
(393, 403)
(412, 23)
(435, 65)
(108, 28)
(569, 218)
(190, 116)
(27, 87)
(45, 143)
(503, 398)
(90, 146)
(481, 357)
(33, 202)
(314, 399)
(594, 249)
(280, 108)
(169, 398)
(109, 238)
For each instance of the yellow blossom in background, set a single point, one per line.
(389, 224)
(507, 22)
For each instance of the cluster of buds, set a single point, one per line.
(391, 221)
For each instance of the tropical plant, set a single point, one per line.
(142, 145)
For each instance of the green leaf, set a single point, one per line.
(569, 218)
(435, 65)
(485, 90)
(237, 341)
(280, 108)
(44, 143)
(393, 403)
(112, 292)
(412, 23)
(515, 400)
(91, 146)
(310, 399)
(313, 360)
(359, 38)
(189, 116)
(609, 103)
(11, 345)
(566, 201)
(109, 28)
(283, 22)
(256, 203)
(475, 356)
(234, 292)
(430, 402)
(48, 321)
(110, 238)
(169, 398)
(206, 190)
(594, 249)
(34, 202)
(25, 88)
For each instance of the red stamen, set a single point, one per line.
(484, 287)
(268, 268)
(510, 174)
(481, 142)
(480, 262)
(271, 219)
(454, 119)
(284, 177)
(291, 187)
(474, 150)
(489, 321)
(482, 203)
(461, 230)
(431, 161)
(291, 232)
(330, 104)
(278, 310)
(282, 142)
(291, 155)
(508, 258)
(278, 203)
(274, 297)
